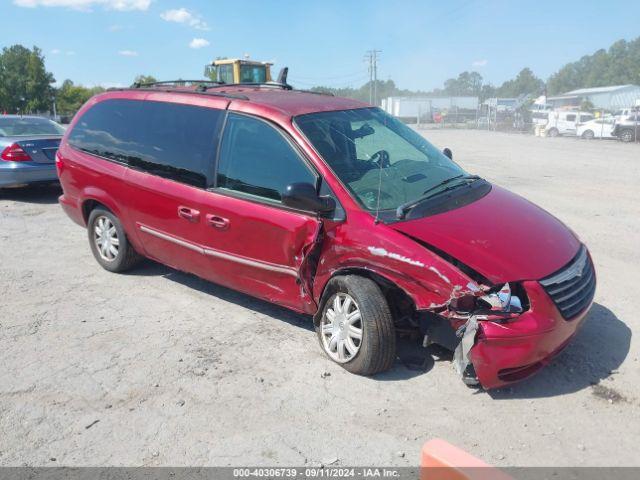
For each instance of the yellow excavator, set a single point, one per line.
(234, 70)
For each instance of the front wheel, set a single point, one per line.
(553, 132)
(109, 244)
(626, 136)
(356, 328)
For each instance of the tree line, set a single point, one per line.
(26, 85)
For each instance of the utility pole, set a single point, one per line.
(372, 57)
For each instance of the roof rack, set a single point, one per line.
(202, 84)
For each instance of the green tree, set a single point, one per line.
(145, 79)
(525, 83)
(619, 65)
(70, 97)
(25, 85)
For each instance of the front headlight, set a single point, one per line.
(502, 301)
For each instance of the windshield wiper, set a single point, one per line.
(403, 209)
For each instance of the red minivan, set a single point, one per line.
(332, 208)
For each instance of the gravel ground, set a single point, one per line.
(157, 367)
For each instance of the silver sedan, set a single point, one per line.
(28, 147)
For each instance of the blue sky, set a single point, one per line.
(109, 42)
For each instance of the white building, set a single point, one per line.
(424, 107)
(608, 98)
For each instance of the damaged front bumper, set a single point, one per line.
(507, 352)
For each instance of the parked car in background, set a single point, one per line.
(628, 130)
(28, 147)
(329, 207)
(566, 122)
(624, 113)
(596, 128)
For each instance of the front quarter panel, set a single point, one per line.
(359, 243)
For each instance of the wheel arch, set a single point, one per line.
(400, 302)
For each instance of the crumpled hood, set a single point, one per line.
(501, 236)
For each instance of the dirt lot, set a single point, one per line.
(160, 368)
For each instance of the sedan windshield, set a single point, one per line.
(373, 152)
(25, 127)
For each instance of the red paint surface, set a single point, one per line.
(502, 236)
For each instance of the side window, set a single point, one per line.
(177, 142)
(255, 158)
(170, 140)
(225, 73)
(571, 118)
(107, 129)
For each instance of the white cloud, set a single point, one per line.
(128, 53)
(198, 43)
(480, 63)
(86, 5)
(55, 51)
(182, 15)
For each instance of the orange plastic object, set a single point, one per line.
(439, 460)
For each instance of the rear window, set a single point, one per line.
(26, 127)
(170, 140)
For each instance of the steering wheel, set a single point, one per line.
(382, 158)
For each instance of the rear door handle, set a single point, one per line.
(189, 214)
(218, 222)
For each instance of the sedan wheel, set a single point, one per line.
(341, 328)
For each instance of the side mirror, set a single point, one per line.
(448, 153)
(303, 196)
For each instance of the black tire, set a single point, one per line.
(126, 256)
(553, 133)
(377, 349)
(626, 136)
(588, 135)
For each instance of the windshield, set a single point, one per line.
(24, 127)
(367, 148)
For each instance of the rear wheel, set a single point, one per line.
(553, 132)
(109, 243)
(356, 328)
(588, 134)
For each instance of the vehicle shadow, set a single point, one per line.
(39, 193)
(597, 350)
(151, 268)
(411, 360)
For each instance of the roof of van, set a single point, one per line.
(288, 102)
(294, 102)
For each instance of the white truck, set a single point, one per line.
(566, 122)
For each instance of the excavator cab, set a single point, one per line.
(239, 71)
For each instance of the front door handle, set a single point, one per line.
(218, 221)
(189, 214)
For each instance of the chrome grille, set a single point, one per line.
(572, 288)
